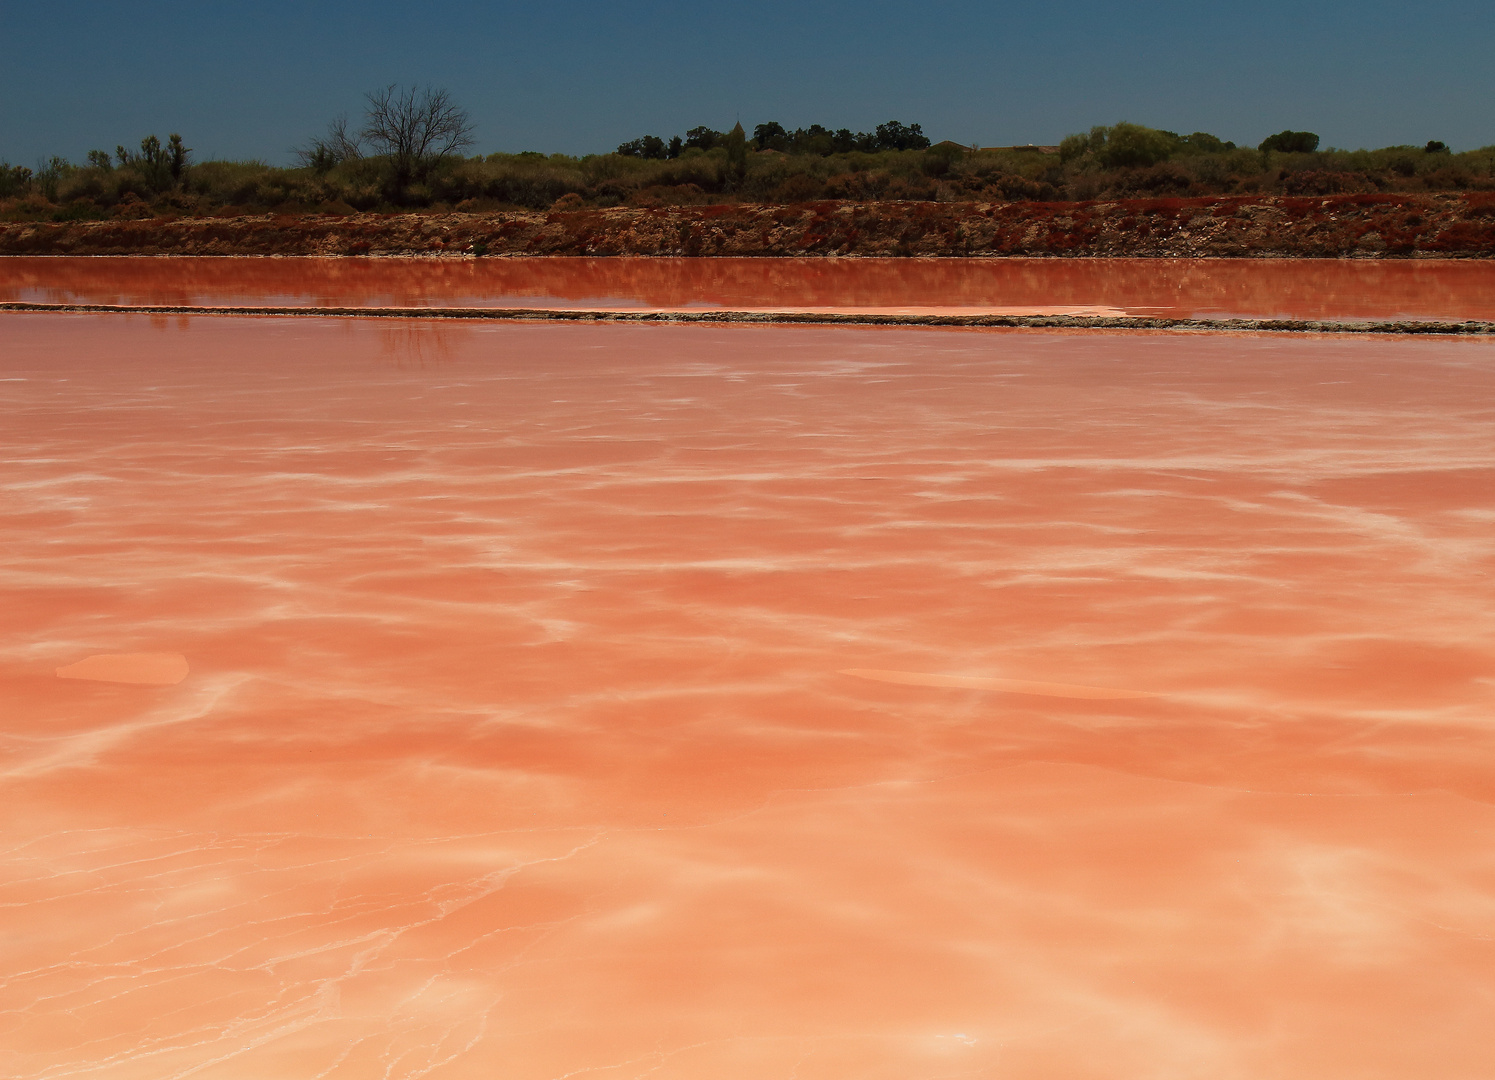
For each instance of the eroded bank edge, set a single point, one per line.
(1470, 327)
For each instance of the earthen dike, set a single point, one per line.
(1443, 225)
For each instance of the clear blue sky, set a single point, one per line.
(244, 80)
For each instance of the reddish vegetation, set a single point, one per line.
(1440, 225)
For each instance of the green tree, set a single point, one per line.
(896, 136)
(1134, 146)
(651, 147)
(176, 157)
(940, 158)
(1290, 142)
(844, 140)
(154, 163)
(1205, 143)
(703, 138)
(814, 139)
(14, 179)
(771, 136)
(50, 175)
(1072, 148)
(735, 142)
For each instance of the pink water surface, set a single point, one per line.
(1265, 288)
(402, 699)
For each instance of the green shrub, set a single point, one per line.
(228, 182)
(735, 143)
(1202, 142)
(80, 210)
(14, 180)
(1132, 146)
(1290, 142)
(1123, 160)
(50, 176)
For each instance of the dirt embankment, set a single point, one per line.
(1434, 225)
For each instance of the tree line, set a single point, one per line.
(815, 139)
(409, 150)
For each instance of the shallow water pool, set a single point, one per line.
(410, 699)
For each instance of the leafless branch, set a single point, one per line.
(347, 144)
(337, 146)
(415, 128)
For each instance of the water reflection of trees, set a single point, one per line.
(1302, 288)
(420, 343)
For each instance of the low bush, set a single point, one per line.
(707, 166)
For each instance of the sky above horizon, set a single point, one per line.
(253, 81)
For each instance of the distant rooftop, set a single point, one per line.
(1025, 148)
(1030, 148)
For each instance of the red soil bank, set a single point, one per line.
(1441, 225)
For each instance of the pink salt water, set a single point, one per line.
(743, 702)
(1333, 289)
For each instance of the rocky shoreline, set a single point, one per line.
(1458, 225)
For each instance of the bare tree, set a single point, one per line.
(337, 146)
(347, 144)
(415, 128)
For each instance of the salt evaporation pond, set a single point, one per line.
(410, 699)
(1328, 289)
